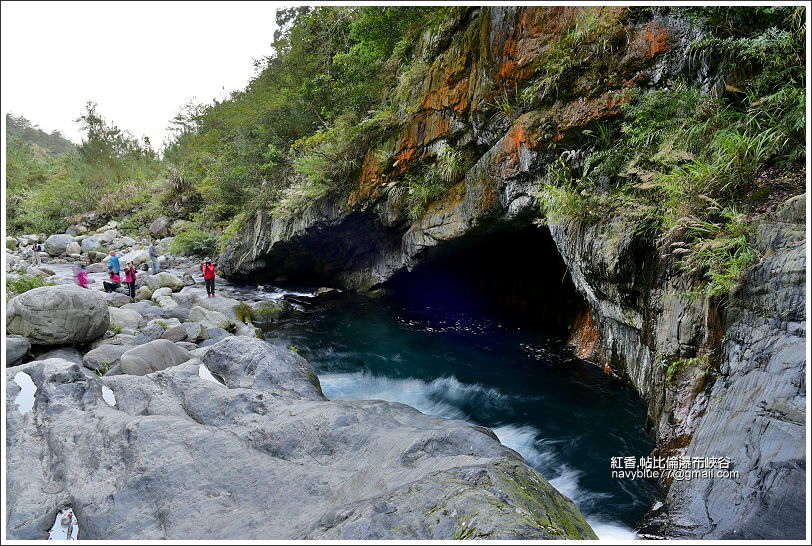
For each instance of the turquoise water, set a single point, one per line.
(564, 415)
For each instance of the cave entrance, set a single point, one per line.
(519, 277)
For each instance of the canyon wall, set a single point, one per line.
(722, 377)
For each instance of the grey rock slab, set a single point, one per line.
(58, 315)
(153, 356)
(181, 457)
(195, 331)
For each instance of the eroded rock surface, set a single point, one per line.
(265, 456)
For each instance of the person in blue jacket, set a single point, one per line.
(113, 266)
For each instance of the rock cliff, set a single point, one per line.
(173, 455)
(721, 378)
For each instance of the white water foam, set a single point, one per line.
(440, 396)
(25, 400)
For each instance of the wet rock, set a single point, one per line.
(16, 349)
(151, 357)
(58, 315)
(270, 311)
(104, 357)
(56, 245)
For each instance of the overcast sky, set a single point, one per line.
(140, 61)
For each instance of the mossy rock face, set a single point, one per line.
(269, 311)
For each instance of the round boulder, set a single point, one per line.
(58, 315)
(160, 226)
(55, 245)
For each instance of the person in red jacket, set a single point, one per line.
(207, 267)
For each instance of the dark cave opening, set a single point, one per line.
(519, 277)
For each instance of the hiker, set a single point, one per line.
(81, 276)
(129, 278)
(115, 282)
(36, 248)
(113, 264)
(207, 267)
(153, 255)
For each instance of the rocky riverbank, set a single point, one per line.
(167, 418)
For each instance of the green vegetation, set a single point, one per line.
(687, 160)
(114, 328)
(17, 283)
(194, 242)
(302, 127)
(47, 184)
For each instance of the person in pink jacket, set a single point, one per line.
(129, 278)
(81, 276)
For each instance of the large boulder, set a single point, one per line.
(125, 318)
(12, 243)
(55, 245)
(164, 280)
(143, 293)
(58, 315)
(210, 319)
(183, 457)
(151, 357)
(90, 243)
(160, 226)
(16, 349)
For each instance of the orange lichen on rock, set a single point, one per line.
(650, 40)
(584, 336)
(584, 111)
(369, 181)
